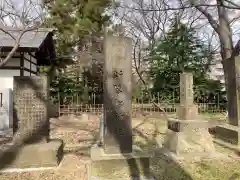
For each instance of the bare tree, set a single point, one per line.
(221, 15)
(221, 18)
(148, 21)
(25, 15)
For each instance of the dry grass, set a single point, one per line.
(148, 134)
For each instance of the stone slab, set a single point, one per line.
(228, 133)
(184, 125)
(30, 111)
(32, 155)
(190, 140)
(123, 166)
(187, 112)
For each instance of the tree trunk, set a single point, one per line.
(225, 38)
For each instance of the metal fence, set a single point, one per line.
(147, 109)
(74, 105)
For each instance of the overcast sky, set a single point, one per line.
(34, 9)
(30, 7)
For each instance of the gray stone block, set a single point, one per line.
(116, 166)
(186, 125)
(228, 133)
(185, 137)
(32, 155)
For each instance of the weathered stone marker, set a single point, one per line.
(118, 95)
(6, 109)
(31, 118)
(188, 134)
(31, 124)
(231, 132)
(187, 110)
(117, 153)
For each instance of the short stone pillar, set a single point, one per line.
(230, 133)
(188, 134)
(31, 125)
(118, 153)
(6, 109)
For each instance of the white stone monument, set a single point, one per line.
(6, 109)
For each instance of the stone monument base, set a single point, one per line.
(119, 166)
(33, 155)
(188, 136)
(187, 112)
(229, 134)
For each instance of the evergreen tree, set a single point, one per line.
(77, 24)
(75, 20)
(181, 51)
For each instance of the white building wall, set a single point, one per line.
(6, 76)
(13, 61)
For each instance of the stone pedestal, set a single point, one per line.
(188, 136)
(188, 112)
(229, 134)
(32, 155)
(119, 166)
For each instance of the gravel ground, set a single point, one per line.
(83, 132)
(72, 167)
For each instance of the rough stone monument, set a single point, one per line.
(118, 155)
(6, 109)
(31, 124)
(188, 134)
(230, 133)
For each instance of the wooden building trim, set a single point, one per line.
(18, 57)
(20, 49)
(22, 57)
(30, 60)
(14, 57)
(18, 68)
(22, 64)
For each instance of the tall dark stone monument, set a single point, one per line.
(31, 125)
(117, 153)
(118, 95)
(230, 132)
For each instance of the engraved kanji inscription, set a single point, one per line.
(118, 88)
(119, 103)
(117, 74)
(30, 95)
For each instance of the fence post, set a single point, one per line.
(218, 99)
(59, 105)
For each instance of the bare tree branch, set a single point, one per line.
(210, 18)
(196, 5)
(26, 18)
